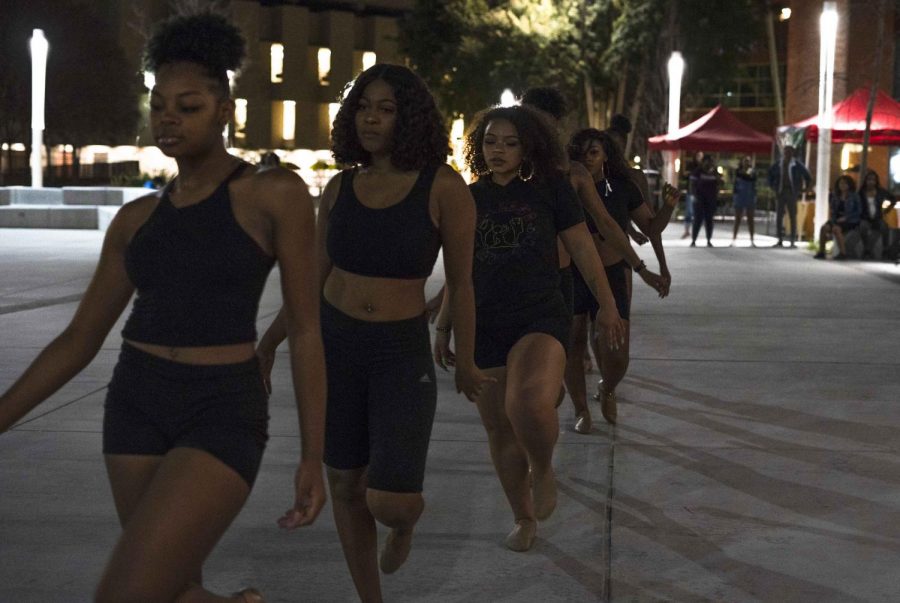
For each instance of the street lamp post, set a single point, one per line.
(828, 25)
(39, 49)
(676, 70)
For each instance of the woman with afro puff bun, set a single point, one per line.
(185, 421)
(381, 224)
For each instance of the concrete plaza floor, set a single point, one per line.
(757, 456)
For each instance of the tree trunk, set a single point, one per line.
(880, 16)
(635, 112)
(589, 100)
(620, 92)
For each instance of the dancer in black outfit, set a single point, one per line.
(186, 412)
(524, 202)
(380, 227)
(602, 157)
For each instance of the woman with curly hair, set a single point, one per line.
(186, 412)
(601, 155)
(524, 202)
(551, 103)
(380, 227)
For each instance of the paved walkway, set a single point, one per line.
(757, 455)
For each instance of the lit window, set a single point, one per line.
(332, 112)
(277, 70)
(240, 118)
(785, 14)
(149, 80)
(324, 62)
(368, 59)
(288, 119)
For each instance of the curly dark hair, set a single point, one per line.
(616, 166)
(851, 184)
(546, 99)
(420, 136)
(207, 39)
(540, 144)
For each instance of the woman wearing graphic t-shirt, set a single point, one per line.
(522, 323)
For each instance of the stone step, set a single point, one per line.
(26, 195)
(84, 217)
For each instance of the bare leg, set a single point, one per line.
(750, 225)
(613, 366)
(575, 373)
(400, 512)
(356, 529)
(173, 510)
(838, 235)
(534, 369)
(510, 460)
(738, 214)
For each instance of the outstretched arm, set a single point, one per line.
(293, 221)
(613, 235)
(457, 225)
(102, 304)
(581, 247)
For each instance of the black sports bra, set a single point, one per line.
(399, 241)
(198, 274)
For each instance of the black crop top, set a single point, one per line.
(398, 241)
(198, 275)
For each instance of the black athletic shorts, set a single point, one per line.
(496, 333)
(617, 276)
(567, 287)
(382, 395)
(586, 303)
(154, 405)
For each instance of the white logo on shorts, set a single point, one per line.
(426, 378)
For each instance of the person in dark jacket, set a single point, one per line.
(843, 216)
(788, 178)
(874, 201)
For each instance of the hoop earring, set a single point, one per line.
(530, 172)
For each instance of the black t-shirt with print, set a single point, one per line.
(516, 262)
(621, 197)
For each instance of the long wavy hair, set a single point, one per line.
(420, 137)
(541, 150)
(616, 166)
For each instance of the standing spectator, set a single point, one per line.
(744, 197)
(788, 178)
(843, 216)
(872, 198)
(691, 166)
(705, 180)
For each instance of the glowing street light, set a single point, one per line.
(676, 71)
(828, 24)
(39, 50)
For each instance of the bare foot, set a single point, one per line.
(248, 595)
(522, 537)
(583, 422)
(395, 551)
(608, 406)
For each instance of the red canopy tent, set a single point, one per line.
(850, 120)
(718, 130)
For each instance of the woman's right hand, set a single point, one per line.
(443, 355)
(609, 323)
(266, 357)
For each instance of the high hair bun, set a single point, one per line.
(620, 123)
(207, 39)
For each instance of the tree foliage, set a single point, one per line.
(92, 93)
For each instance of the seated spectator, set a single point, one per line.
(270, 159)
(843, 216)
(873, 199)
